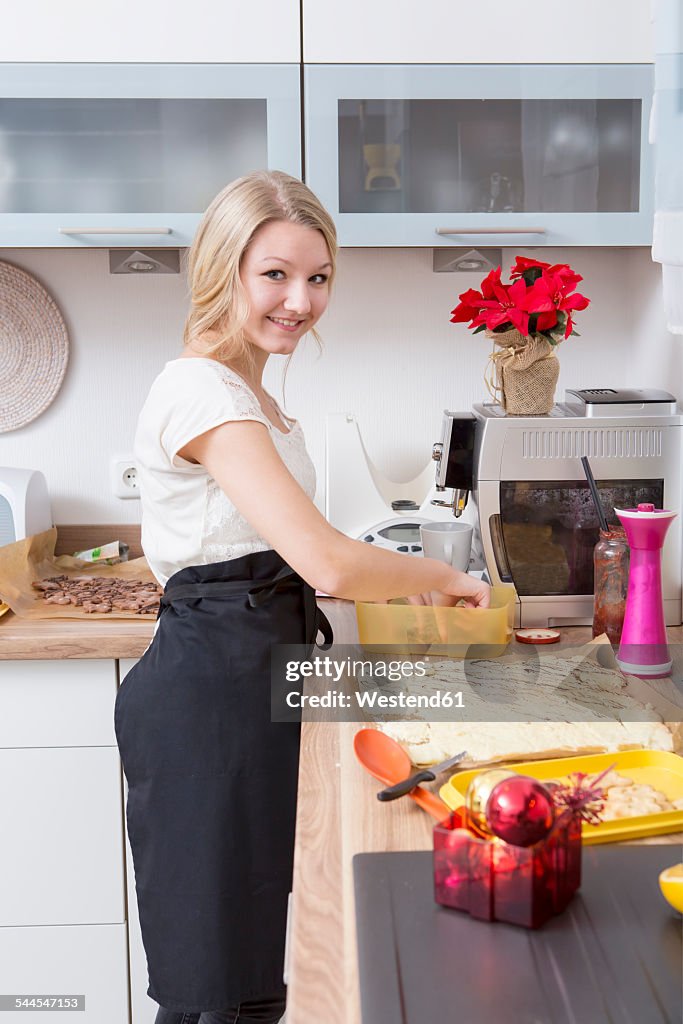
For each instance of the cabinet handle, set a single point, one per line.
(491, 231)
(288, 938)
(116, 231)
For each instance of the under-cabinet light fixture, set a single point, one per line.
(135, 261)
(448, 261)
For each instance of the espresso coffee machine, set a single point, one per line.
(537, 523)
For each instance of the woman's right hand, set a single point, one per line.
(468, 589)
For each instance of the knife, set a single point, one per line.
(426, 775)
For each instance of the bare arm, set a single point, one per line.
(243, 461)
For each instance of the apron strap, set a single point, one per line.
(192, 591)
(315, 620)
(257, 595)
(322, 625)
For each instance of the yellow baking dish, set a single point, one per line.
(402, 628)
(658, 768)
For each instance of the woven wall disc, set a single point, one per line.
(34, 348)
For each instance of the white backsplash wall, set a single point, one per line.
(390, 356)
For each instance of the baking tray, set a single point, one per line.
(658, 768)
(401, 628)
(33, 558)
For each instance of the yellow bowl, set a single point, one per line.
(3, 607)
(671, 884)
(400, 628)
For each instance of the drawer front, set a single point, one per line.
(57, 703)
(87, 961)
(61, 856)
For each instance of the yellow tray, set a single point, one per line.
(658, 768)
(401, 628)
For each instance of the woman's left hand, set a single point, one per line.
(435, 598)
(471, 592)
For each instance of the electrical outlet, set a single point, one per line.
(124, 477)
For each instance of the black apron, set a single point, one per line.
(212, 781)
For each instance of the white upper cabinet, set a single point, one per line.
(131, 154)
(513, 155)
(204, 31)
(482, 32)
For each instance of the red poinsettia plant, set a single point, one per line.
(539, 300)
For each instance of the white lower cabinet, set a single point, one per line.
(143, 1009)
(57, 703)
(85, 960)
(62, 882)
(61, 859)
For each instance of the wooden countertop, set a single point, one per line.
(338, 816)
(47, 639)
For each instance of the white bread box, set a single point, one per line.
(24, 504)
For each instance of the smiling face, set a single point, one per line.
(285, 275)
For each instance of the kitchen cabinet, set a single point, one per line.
(62, 891)
(130, 155)
(57, 703)
(204, 31)
(63, 864)
(522, 155)
(88, 961)
(441, 32)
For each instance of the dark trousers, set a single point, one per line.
(255, 1011)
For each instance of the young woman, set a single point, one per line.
(230, 530)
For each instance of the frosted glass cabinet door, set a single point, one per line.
(132, 154)
(520, 155)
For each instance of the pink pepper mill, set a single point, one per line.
(643, 650)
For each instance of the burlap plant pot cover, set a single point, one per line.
(525, 373)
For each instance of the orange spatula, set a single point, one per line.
(387, 761)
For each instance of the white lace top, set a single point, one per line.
(186, 518)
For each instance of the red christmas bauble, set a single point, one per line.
(520, 810)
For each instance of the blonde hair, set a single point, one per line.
(217, 298)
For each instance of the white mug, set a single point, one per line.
(449, 542)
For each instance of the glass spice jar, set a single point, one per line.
(611, 558)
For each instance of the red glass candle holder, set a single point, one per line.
(493, 881)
